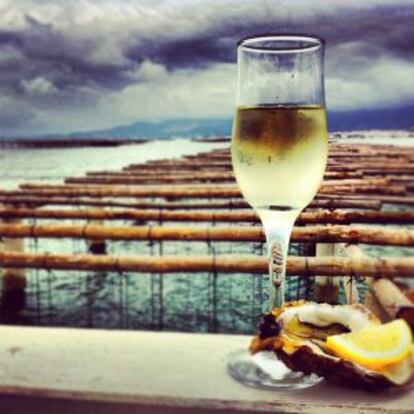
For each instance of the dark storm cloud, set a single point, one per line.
(48, 52)
(373, 30)
(211, 38)
(73, 54)
(197, 52)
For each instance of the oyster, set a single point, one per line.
(297, 333)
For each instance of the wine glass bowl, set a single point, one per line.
(279, 154)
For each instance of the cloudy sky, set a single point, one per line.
(74, 65)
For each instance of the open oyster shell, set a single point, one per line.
(297, 332)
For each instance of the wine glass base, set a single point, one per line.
(263, 370)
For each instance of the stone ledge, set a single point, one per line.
(58, 370)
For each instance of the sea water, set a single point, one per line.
(198, 302)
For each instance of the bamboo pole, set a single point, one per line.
(176, 165)
(348, 182)
(397, 153)
(371, 167)
(375, 183)
(326, 287)
(350, 288)
(226, 164)
(385, 198)
(390, 296)
(146, 180)
(303, 266)
(332, 172)
(349, 217)
(180, 191)
(353, 165)
(380, 171)
(400, 179)
(334, 149)
(97, 246)
(113, 178)
(317, 234)
(383, 297)
(249, 216)
(333, 153)
(177, 179)
(335, 146)
(131, 191)
(337, 155)
(190, 167)
(400, 157)
(160, 175)
(21, 199)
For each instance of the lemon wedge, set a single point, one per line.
(374, 347)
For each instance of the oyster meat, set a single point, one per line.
(297, 334)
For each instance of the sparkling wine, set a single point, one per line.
(279, 154)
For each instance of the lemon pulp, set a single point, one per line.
(374, 347)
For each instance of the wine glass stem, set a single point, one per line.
(277, 227)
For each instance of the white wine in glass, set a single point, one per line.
(279, 154)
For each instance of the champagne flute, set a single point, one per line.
(279, 154)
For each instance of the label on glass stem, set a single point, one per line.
(277, 273)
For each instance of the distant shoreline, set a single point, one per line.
(68, 143)
(34, 143)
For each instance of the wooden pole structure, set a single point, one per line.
(374, 182)
(335, 149)
(19, 199)
(350, 288)
(359, 177)
(108, 180)
(384, 297)
(377, 186)
(390, 297)
(217, 164)
(185, 191)
(191, 167)
(326, 288)
(13, 280)
(398, 159)
(248, 216)
(396, 180)
(309, 234)
(303, 266)
(97, 246)
(156, 174)
(385, 199)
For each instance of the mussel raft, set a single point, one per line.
(297, 334)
